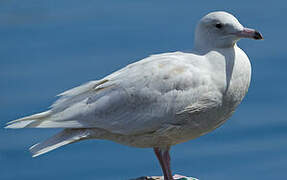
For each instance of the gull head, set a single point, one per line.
(221, 30)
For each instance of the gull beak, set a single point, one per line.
(249, 33)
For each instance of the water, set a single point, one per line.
(49, 46)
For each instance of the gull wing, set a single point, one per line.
(136, 99)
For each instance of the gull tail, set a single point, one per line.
(67, 136)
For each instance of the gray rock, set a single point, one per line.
(161, 178)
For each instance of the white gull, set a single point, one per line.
(159, 101)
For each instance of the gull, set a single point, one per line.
(159, 101)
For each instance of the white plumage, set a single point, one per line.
(159, 101)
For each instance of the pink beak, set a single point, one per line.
(250, 33)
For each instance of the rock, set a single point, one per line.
(176, 177)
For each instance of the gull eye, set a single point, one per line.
(218, 25)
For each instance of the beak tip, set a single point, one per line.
(258, 36)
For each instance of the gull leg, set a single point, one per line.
(164, 160)
(158, 154)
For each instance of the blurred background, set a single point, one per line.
(50, 46)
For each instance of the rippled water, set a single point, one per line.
(49, 46)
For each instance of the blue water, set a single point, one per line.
(49, 46)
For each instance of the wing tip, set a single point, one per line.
(18, 124)
(23, 122)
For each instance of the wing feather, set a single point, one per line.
(133, 100)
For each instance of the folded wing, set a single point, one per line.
(133, 100)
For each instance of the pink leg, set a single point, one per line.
(158, 154)
(164, 160)
(166, 157)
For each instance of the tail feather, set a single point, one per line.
(67, 136)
